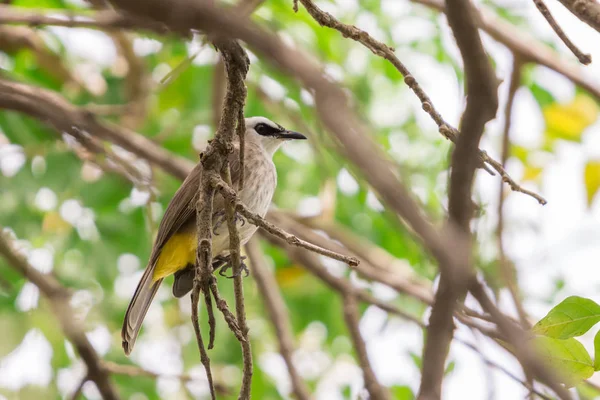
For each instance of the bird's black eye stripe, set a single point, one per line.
(266, 130)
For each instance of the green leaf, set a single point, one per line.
(574, 316)
(402, 393)
(568, 358)
(597, 352)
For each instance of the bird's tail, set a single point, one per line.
(138, 307)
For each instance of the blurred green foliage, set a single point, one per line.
(86, 258)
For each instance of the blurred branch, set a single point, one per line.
(449, 246)
(55, 111)
(275, 305)
(375, 262)
(386, 52)
(59, 297)
(351, 315)
(137, 80)
(134, 371)
(106, 19)
(508, 273)
(517, 337)
(311, 262)
(79, 388)
(15, 38)
(585, 59)
(528, 48)
(349, 294)
(482, 104)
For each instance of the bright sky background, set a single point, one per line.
(559, 240)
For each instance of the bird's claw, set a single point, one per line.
(225, 267)
(239, 218)
(221, 219)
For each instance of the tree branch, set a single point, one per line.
(55, 111)
(585, 59)
(257, 220)
(59, 297)
(276, 309)
(586, 10)
(236, 65)
(351, 315)
(527, 47)
(482, 103)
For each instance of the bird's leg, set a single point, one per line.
(225, 264)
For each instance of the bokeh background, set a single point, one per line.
(91, 228)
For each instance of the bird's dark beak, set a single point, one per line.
(291, 135)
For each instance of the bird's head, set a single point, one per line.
(269, 134)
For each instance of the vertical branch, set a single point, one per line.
(505, 267)
(482, 104)
(275, 305)
(236, 66)
(351, 316)
(204, 271)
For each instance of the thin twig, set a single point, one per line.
(222, 306)
(585, 59)
(382, 50)
(255, 219)
(203, 266)
(515, 187)
(276, 309)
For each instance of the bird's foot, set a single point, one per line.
(221, 218)
(224, 264)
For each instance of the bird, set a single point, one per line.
(174, 249)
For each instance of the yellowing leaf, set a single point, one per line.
(568, 121)
(592, 180)
(531, 173)
(55, 224)
(519, 152)
(568, 358)
(290, 275)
